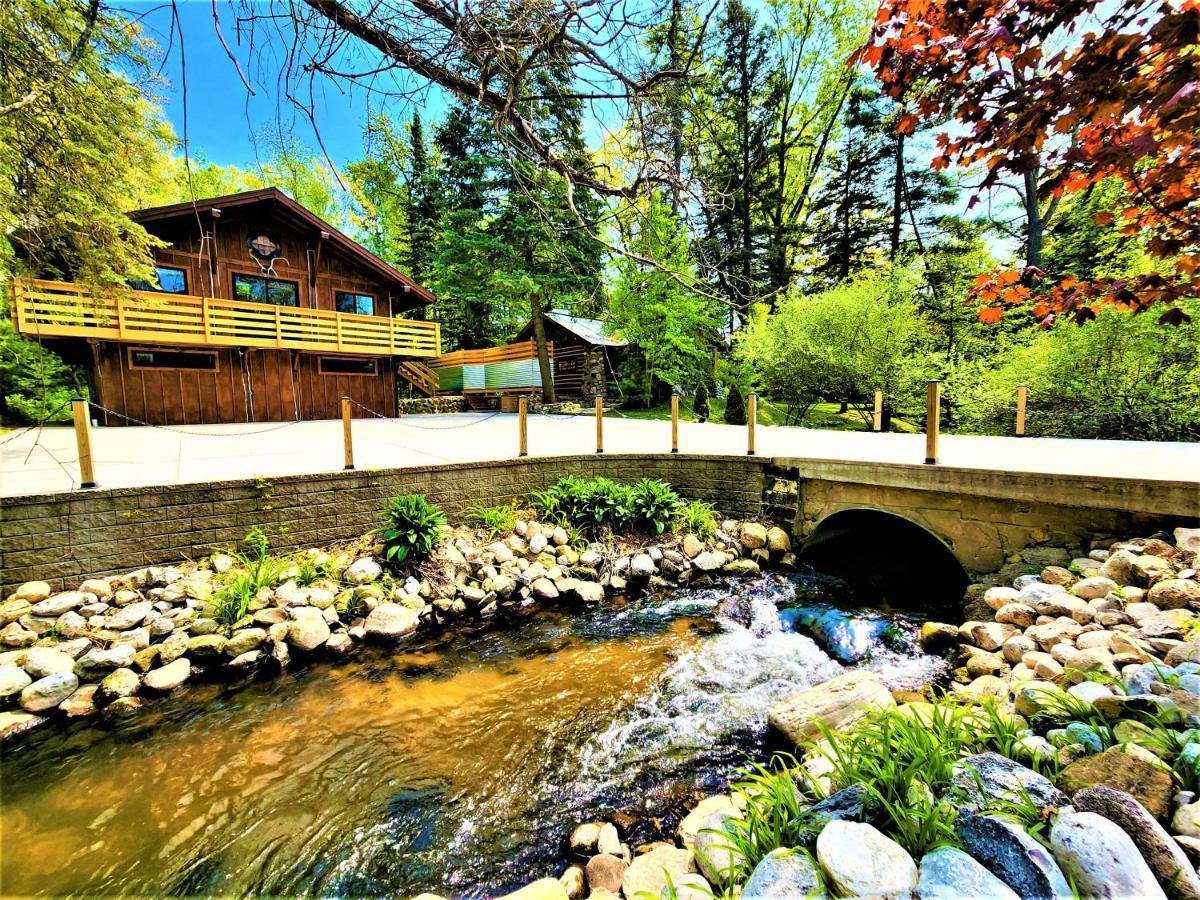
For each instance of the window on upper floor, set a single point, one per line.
(350, 302)
(170, 280)
(260, 289)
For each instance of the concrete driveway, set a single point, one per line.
(45, 460)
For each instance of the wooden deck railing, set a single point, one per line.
(62, 309)
(503, 353)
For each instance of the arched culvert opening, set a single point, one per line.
(888, 559)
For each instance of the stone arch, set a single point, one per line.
(887, 558)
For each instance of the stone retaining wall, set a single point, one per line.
(60, 538)
(417, 406)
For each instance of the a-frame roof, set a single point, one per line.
(302, 216)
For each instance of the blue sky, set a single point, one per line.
(223, 119)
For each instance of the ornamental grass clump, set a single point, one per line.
(494, 520)
(905, 761)
(257, 569)
(412, 528)
(698, 518)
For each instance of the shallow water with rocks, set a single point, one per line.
(457, 764)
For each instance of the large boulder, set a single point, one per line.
(389, 621)
(861, 861)
(46, 693)
(948, 873)
(1171, 593)
(308, 629)
(705, 809)
(13, 680)
(1162, 854)
(785, 873)
(117, 684)
(362, 571)
(60, 603)
(168, 677)
(1100, 858)
(1122, 770)
(605, 872)
(716, 853)
(648, 873)
(989, 776)
(837, 704)
(1013, 856)
(754, 535)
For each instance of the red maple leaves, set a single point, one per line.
(1075, 91)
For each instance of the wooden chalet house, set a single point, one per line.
(262, 312)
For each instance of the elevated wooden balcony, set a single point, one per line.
(62, 309)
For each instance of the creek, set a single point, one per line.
(457, 764)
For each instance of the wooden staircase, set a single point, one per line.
(420, 376)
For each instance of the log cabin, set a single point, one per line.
(261, 312)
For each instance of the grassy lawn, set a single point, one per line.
(823, 415)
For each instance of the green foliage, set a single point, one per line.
(1119, 376)
(496, 519)
(652, 505)
(864, 335)
(256, 568)
(412, 528)
(601, 503)
(698, 518)
(775, 814)
(80, 145)
(653, 306)
(34, 381)
(735, 406)
(905, 760)
(310, 568)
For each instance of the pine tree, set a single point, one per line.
(735, 406)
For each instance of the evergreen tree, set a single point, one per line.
(671, 326)
(851, 227)
(735, 406)
(422, 206)
(737, 156)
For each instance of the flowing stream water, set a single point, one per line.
(457, 765)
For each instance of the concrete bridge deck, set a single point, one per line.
(45, 461)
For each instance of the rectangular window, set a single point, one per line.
(170, 280)
(198, 360)
(346, 365)
(350, 302)
(260, 289)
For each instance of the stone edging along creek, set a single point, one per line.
(1077, 691)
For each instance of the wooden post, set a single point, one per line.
(1022, 396)
(522, 427)
(599, 424)
(83, 438)
(347, 437)
(674, 423)
(751, 421)
(877, 419)
(933, 419)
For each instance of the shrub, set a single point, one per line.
(698, 518)
(257, 569)
(591, 505)
(412, 527)
(652, 505)
(700, 403)
(495, 519)
(735, 406)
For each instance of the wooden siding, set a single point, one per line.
(247, 386)
(62, 309)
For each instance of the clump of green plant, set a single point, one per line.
(652, 505)
(412, 527)
(698, 518)
(905, 761)
(494, 519)
(309, 568)
(598, 503)
(775, 813)
(257, 569)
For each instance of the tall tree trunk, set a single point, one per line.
(897, 198)
(539, 336)
(1033, 220)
